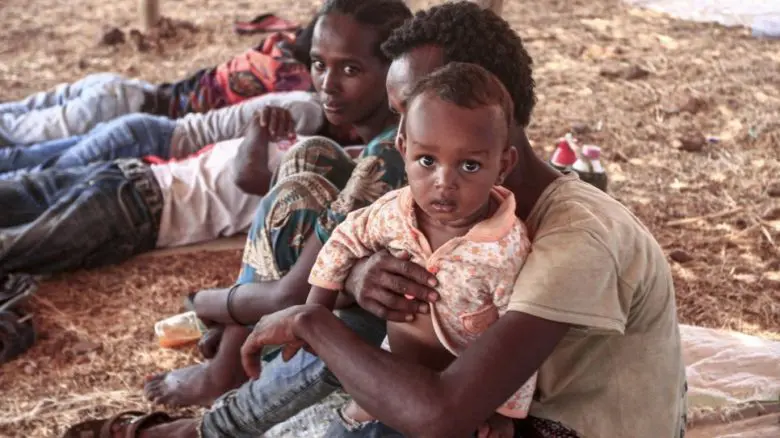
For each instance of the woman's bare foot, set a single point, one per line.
(200, 385)
(196, 385)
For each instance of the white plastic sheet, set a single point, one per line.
(726, 368)
(726, 12)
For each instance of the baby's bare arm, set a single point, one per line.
(323, 297)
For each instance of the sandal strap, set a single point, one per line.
(152, 419)
(106, 430)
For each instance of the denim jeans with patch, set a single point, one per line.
(62, 219)
(130, 136)
(284, 388)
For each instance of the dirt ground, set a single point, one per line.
(688, 116)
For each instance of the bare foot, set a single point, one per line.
(197, 385)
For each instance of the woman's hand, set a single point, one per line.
(274, 329)
(497, 426)
(392, 288)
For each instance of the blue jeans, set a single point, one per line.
(284, 388)
(130, 136)
(60, 219)
(15, 160)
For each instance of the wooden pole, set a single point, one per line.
(150, 14)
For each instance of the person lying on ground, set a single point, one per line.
(593, 309)
(105, 212)
(139, 135)
(453, 219)
(278, 63)
(316, 186)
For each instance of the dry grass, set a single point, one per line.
(731, 280)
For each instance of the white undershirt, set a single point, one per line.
(200, 200)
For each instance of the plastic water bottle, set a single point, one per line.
(564, 155)
(766, 27)
(589, 167)
(179, 330)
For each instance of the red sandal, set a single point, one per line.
(264, 23)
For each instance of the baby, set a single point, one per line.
(453, 218)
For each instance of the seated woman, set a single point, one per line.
(279, 63)
(313, 192)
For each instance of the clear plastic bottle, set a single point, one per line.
(179, 330)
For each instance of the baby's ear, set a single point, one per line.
(400, 137)
(508, 162)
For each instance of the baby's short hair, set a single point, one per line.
(466, 85)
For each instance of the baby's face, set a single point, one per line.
(454, 156)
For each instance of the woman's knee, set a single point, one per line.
(284, 220)
(319, 155)
(314, 150)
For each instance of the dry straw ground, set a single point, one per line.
(647, 88)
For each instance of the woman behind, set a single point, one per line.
(313, 192)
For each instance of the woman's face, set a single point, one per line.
(347, 73)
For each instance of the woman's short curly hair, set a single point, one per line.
(467, 33)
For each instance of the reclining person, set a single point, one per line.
(278, 63)
(139, 135)
(107, 211)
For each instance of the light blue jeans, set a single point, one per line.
(284, 388)
(130, 136)
(59, 94)
(70, 109)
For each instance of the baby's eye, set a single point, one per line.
(318, 65)
(425, 161)
(471, 166)
(351, 70)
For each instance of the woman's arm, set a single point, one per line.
(253, 300)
